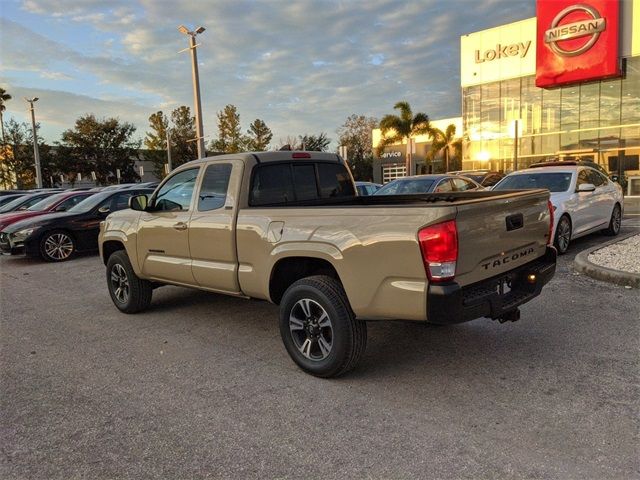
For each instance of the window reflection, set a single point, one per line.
(598, 120)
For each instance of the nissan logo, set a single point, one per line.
(591, 27)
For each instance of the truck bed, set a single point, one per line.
(455, 198)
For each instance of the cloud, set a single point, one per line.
(301, 66)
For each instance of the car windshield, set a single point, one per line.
(9, 198)
(91, 202)
(46, 203)
(406, 187)
(554, 182)
(14, 203)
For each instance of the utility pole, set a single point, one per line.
(515, 146)
(36, 152)
(196, 85)
(169, 149)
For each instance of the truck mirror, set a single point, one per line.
(138, 202)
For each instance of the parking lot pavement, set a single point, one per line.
(201, 386)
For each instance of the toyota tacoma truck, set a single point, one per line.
(288, 227)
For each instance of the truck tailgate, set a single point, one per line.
(496, 235)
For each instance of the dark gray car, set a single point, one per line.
(428, 184)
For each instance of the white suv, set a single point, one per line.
(584, 200)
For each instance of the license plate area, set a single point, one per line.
(503, 286)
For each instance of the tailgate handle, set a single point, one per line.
(515, 221)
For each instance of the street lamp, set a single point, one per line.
(36, 152)
(169, 166)
(196, 85)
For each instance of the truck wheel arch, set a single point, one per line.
(109, 248)
(289, 270)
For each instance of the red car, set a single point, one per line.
(59, 202)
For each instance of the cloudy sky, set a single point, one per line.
(302, 66)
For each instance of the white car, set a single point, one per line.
(584, 200)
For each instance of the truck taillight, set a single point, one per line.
(439, 247)
(551, 219)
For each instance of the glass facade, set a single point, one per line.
(598, 121)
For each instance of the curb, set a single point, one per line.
(619, 277)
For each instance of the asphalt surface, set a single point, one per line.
(201, 386)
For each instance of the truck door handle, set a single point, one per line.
(180, 226)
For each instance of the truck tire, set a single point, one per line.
(319, 329)
(129, 293)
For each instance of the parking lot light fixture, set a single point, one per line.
(36, 152)
(196, 85)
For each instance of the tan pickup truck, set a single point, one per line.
(288, 227)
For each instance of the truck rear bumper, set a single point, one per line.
(449, 303)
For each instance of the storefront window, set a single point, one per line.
(589, 115)
(631, 92)
(530, 106)
(598, 121)
(610, 112)
(569, 117)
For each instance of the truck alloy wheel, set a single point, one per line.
(57, 246)
(318, 327)
(311, 330)
(119, 283)
(128, 292)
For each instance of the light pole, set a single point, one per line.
(169, 167)
(36, 152)
(196, 85)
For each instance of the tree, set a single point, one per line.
(4, 96)
(184, 148)
(230, 138)
(102, 146)
(446, 145)
(355, 134)
(399, 128)
(259, 136)
(19, 162)
(314, 143)
(156, 143)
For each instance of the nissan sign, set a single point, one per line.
(577, 41)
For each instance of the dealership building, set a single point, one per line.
(562, 85)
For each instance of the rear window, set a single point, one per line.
(284, 183)
(554, 182)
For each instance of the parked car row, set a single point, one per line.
(55, 224)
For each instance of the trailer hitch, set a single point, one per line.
(510, 316)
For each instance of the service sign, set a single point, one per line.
(577, 41)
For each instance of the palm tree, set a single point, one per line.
(444, 143)
(398, 128)
(4, 96)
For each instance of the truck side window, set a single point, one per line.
(272, 184)
(176, 193)
(213, 192)
(334, 181)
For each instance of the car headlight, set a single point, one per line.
(22, 235)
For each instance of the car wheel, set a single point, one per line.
(615, 223)
(129, 293)
(318, 328)
(563, 235)
(57, 246)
